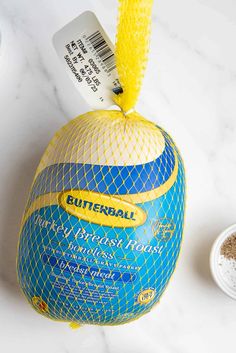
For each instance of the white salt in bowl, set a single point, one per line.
(222, 269)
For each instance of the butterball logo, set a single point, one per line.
(101, 209)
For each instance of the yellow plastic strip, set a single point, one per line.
(74, 325)
(132, 45)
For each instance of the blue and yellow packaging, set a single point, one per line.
(103, 225)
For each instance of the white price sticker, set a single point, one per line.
(88, 55)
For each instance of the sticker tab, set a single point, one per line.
(88, 55)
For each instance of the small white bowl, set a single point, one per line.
(223, 270)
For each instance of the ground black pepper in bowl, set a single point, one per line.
(228, 248)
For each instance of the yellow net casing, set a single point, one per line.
(103, 225)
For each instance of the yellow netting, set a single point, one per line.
(132, 45)
(103, 225)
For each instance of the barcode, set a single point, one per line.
(103, 50)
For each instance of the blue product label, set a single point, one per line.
(107, 261)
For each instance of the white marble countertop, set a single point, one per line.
(190, 90)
